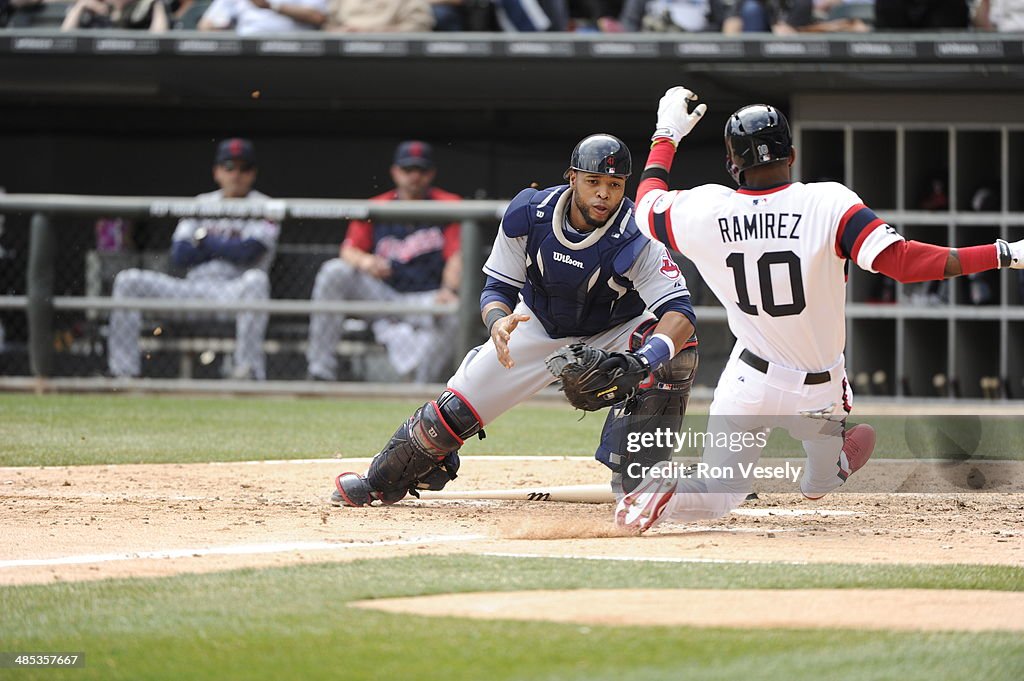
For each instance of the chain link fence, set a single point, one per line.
(104, 296)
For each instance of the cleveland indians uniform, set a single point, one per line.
(777, 260)
(596, 287)
(416, 344)
(216, 279)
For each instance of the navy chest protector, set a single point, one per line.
(581, 291)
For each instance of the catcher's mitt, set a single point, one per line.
(592, 378)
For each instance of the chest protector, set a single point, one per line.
(576, 285)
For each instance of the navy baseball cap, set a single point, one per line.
(413, 153)
(235, 149)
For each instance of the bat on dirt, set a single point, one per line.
(577, 494)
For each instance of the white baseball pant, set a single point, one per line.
(417, 344)
(749, 401)
(250, 327)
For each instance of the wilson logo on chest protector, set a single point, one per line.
(562, 257)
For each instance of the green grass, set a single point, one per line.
(93, 429)
(292, 623)
(100, 429)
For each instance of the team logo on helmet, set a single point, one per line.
(602, 154)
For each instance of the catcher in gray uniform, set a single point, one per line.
(569, 265)
(227, 259)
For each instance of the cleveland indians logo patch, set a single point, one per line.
(669, 269)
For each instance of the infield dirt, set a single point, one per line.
(139, 520)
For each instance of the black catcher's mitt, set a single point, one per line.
(592, 378)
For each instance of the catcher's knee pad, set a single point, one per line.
(637, 432)
(424, 451)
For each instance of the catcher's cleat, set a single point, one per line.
(642, 508)
(352, 489)
(858, 446)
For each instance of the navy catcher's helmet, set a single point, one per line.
(603, 154)
(755, 135)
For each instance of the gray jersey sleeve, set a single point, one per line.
(507, 262)
(656, 276)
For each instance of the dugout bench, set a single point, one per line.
(203, 348)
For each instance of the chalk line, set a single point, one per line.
(235, 550)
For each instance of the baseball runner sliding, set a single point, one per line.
(776, 254)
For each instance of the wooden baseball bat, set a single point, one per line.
(576, 494)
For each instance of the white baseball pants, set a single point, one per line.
(748, 401)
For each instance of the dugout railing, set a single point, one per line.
(39, 304)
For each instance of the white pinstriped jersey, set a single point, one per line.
(775, 258)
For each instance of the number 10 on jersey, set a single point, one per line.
(736, 261)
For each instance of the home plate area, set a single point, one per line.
(93, 522)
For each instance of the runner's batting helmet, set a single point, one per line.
(756, 135)
(603, 154)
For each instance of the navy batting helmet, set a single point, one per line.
(756, 135)
(603, 154)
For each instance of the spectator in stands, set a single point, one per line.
(1000, 15)
(395, 261)
(925, 14)
(532, 15)
(185, 14)
(831, 10)
(595, 16)
(226, 259)
(18, 13)
(142, 15)
(781, 17)
(786, 17)
(671, 16)
(448, 14)
(380, 16)
(255, 17)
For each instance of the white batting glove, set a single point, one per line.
(1011, 254)
(674, 119)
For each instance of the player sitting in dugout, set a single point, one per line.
(568, 265)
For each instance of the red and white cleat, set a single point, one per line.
(858, 445)
(642, 508)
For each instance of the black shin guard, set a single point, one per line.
(423, 452)
(657, 407)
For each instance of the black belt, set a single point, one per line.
(762, 366)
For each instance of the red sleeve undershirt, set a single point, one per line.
(913, 261)
(662, 153)
(451, 240)
(360, 235)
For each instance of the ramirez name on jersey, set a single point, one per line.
(759, 226)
